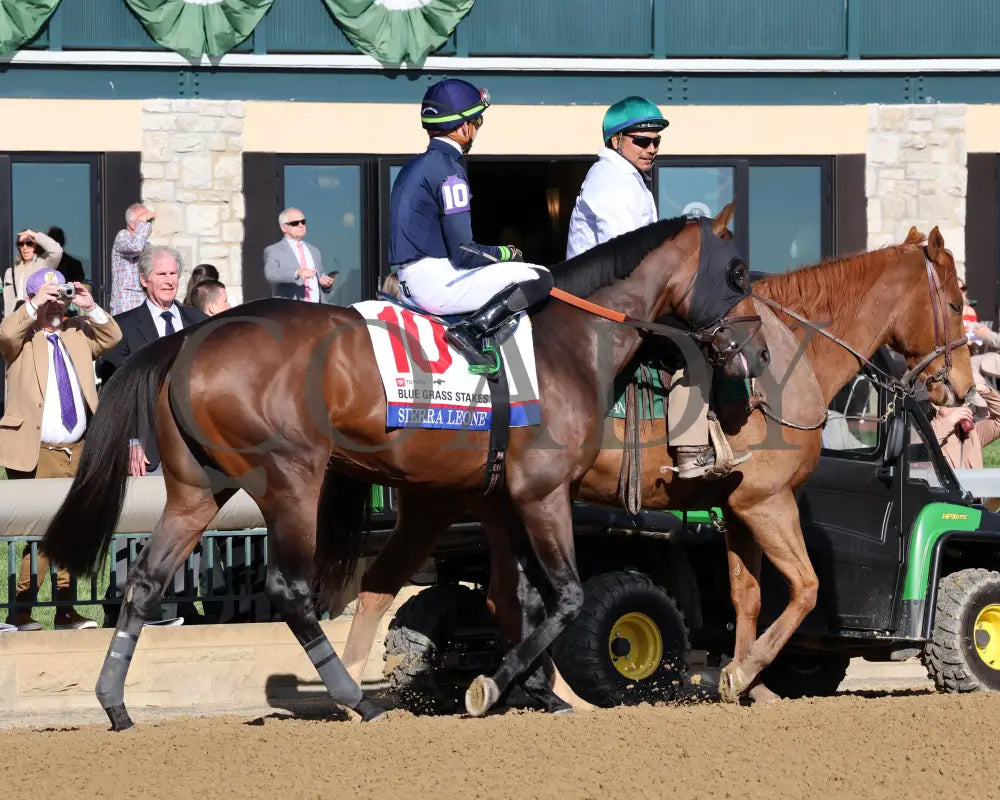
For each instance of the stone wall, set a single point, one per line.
(916, 174)
(192, 177)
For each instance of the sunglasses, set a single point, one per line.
(642, 142)
(294, 223)
(25, 243)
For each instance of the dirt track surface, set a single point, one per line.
(915, 744)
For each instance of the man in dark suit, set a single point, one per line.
(293, 266)
(160, 315)
(70, 266)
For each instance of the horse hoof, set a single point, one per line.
(731, 684)
(120, 720)
(370, 711)
(481, 696)
(762, 696)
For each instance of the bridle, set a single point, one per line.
(897, 387)
(942, 347)
(711, 336)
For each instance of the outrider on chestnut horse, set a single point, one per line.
(905, 296)
(285, 400)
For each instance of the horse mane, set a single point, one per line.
(615, 259)
(821, 291)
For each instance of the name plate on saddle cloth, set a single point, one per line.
(428, 384)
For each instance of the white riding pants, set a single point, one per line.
(439, 288)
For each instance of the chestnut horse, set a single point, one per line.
(890, 296)
(285, 400)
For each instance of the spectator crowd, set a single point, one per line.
(58, 345)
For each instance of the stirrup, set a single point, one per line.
(725, 458)
(487, 369)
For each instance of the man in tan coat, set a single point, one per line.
(51, 392)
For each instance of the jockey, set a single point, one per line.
(441, 268)
(615, 199)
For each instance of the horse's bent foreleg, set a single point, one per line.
(188, 512)
(502, 600)
(549, 526)
(421, 519)
(775, 528)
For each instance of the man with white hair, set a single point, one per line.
(160, 315)
(292, 266)
(126, 291)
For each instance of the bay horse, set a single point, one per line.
(905, 296)
(285, 400)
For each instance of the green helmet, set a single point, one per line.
(632, 113)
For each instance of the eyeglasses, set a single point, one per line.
(25, 243)
(478, 122)
(642, 142)
(294, 223)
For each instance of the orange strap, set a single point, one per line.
(586, 305)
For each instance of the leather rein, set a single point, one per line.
(702, 335)
(903, 385)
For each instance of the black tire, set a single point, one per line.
(963, 654)
(632, 603)
(795, 675)
(419, 634)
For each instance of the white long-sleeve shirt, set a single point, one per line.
(614, 199)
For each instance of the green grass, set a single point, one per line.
(991, 454)
(44, 614)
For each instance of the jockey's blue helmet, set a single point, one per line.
(633, 114)
(449, 103)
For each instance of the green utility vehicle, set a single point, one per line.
(908, 566)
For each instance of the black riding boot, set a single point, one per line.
(467, 334)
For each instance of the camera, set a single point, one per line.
(67, 291)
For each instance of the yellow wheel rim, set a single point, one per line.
(635, 646)
(986, 635)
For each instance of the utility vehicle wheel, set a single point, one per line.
(628, 645)
(964, 652)
(795, 675)
(420, 640)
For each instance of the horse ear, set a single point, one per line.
(914, 236)
(935, 245)
(723, 218)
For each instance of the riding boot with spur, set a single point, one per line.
(467, 334)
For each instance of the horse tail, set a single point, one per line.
(81, 530)
(341, 532)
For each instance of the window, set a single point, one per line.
(784, 214)
(786, 217)
(921, 466)
(852, 425)
(701, 191)
(61, 193)
(329, 195)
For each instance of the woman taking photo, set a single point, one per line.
(35, 251)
